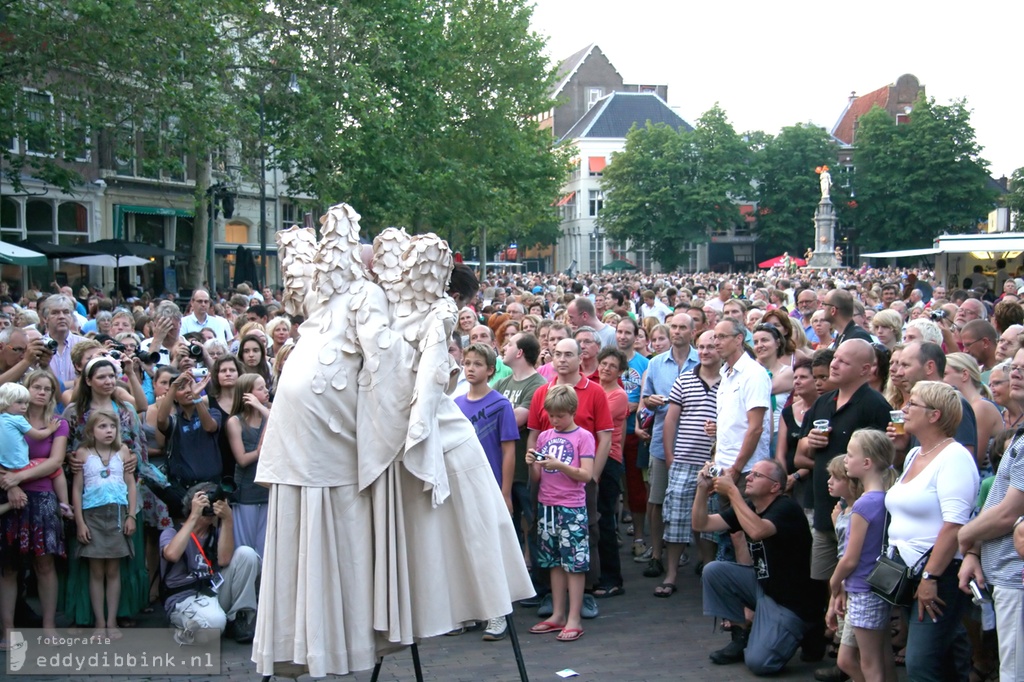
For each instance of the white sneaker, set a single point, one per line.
(496, 630)
(184, 637)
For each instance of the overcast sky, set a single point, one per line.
(773, 64)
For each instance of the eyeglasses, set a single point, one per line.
(968, 344)
(881, 348)
(758, 474)
(1017, 368)
(911, 403)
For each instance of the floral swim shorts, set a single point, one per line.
(564, 539)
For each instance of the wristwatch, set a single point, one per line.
(925, 575)
(796, 475)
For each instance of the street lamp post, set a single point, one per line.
(263, 199)
(293, 87)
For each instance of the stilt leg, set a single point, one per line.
(512, 635)
(416, 662)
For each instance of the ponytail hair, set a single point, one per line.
(877, 447)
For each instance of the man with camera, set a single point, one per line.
(207, 581)
(166, 331)
(20, 353)
(57, 313)
(779, 542)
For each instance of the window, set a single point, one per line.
(593, 95)
(125, 151)
(569, 208)
(236, 232)
(597, 251)
(77, 141)
(291, 216)
(174, 160)
(595, 165)
(39, 113)
(596, 202)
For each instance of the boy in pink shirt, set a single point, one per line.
(562, 464)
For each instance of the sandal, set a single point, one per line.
(569, 634)
(665, 590)
(605, 592)
(900, 657)
(546, 626)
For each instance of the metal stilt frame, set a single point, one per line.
(418, 668)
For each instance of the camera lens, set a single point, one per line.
(51, 345)
(195, 351)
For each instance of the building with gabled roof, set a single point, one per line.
(597, 135)
(581, 80)
(896, 98)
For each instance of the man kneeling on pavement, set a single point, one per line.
(207, 581)
(775, 586)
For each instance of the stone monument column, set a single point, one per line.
(824, 226)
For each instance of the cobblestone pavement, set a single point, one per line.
(636, 638)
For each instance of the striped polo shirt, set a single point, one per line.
(697, 402)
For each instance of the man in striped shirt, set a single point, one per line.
(691, 403)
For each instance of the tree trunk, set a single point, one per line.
(200, 232)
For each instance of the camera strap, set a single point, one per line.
(203, 552)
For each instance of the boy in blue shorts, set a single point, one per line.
(562, 464)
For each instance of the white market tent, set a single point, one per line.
(957, 254)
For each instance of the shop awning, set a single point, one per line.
(905, 253)
(597, 164)
(566, 199)
(121, 209)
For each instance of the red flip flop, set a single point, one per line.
(545, 627)
(569, 634)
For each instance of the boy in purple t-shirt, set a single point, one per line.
(491, 414)
(563, 463)
(495, 422)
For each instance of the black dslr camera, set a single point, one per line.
(225, 489)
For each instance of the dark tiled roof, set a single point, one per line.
(614, 115)
(845, 127)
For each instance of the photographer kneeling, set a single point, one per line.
(207, 581)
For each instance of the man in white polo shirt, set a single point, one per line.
(743, 427)
(200, 318)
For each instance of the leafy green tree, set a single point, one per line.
(920, 179)
(82, 78)
(419, 113)
(787, 187)
(1015, 199)
(669, 187)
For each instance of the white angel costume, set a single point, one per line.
(445, 549)
(316, 595)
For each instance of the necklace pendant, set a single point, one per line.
(105, 473)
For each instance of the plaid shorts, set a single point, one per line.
(867, 610)
(564, 538)
(678, 507)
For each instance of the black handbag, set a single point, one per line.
(891, 578)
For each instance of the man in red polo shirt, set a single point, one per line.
(592, 414)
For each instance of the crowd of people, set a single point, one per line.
(131, 437)
(775, 432)
(779, 432)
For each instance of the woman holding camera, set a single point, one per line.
(928, 504)
(97, 390)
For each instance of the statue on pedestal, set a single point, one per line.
(825, 180)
